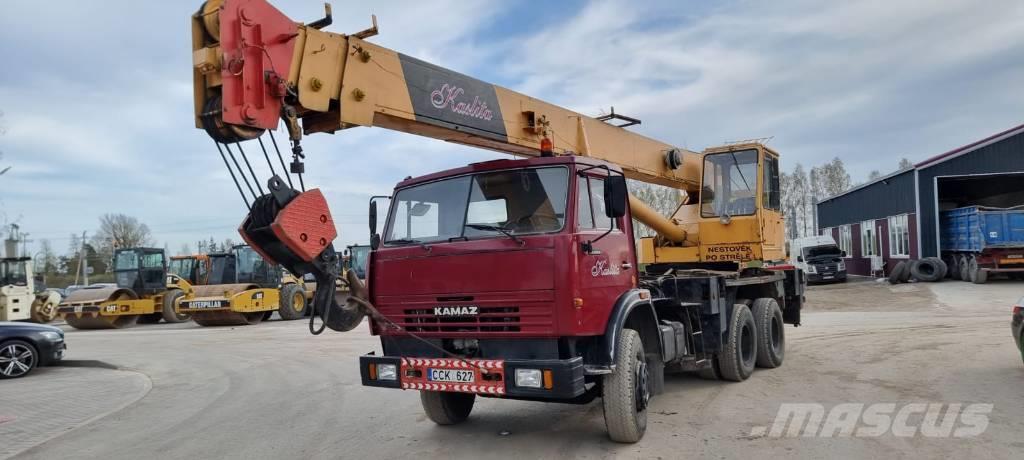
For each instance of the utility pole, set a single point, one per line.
(85, 263)
(82, 264)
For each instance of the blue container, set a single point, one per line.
(977, 228)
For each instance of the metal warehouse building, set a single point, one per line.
(897, 216)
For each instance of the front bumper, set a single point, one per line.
(52, 352)
(827, 277)
(490, 376)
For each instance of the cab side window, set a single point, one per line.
(591, 209)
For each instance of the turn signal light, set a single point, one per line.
(1017, 309)
(577, 302)
(548, 380)
(373, 371)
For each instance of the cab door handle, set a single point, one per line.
(626, 265)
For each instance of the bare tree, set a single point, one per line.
(47, 261)
(874, 174)
(121, 231)
(905, 164)
(185, 250)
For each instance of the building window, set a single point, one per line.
(899, 236)
(846, 240)
(868, 239)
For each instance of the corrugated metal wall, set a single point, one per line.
(890, 197)
(1005, 156)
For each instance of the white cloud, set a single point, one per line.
(98, 111)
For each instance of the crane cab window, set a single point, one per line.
(730, 184)
(772, 196)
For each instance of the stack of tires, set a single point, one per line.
(929, 270)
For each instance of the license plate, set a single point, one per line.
(827, 277)
(78, 308)
(1015, 256)
(450, 375)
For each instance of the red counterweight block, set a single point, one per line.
(305, 226)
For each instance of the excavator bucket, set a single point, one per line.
(81, 309)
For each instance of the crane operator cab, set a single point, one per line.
(736, 220)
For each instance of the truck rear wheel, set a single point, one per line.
(978, 276)
(771, 335)
(170, 312)
(293, 302)
(625, 392)
(965, 268)
(738, 356)
(954, 267)
(447, 408)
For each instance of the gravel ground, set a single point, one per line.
(274, 391)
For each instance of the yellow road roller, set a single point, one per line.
(144, 293)
(244, 289)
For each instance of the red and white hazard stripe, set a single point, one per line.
(480, 389)
(488, 364)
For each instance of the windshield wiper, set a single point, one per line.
(406, 241)
(495, 228)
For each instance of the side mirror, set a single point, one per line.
(615, 196)
(799, 258)
(844, 253)
(373, 217)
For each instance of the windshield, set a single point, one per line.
(246, 260)
(514, 202)
(222, 269)
(126, 260)
(182, 267)
(358, 262)
(13, 272)
(730, 184)
(814, 252)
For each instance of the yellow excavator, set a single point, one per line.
(244, 289)
(144, 293)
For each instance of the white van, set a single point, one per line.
(819, 257)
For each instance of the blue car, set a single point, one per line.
(25, 346)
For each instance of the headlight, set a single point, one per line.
(387, 372)
(529, 378)
(811, 269)
(52, 336)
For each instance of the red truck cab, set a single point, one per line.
(490, 262)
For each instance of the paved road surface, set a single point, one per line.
(274, 391)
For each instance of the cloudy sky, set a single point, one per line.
(97, 101)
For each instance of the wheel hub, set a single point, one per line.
(642, 393)
(15, 360)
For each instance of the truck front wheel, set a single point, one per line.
(627, 391)
(447, 408)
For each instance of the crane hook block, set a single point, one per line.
(290, 228)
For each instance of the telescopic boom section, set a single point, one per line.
(253, 66)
